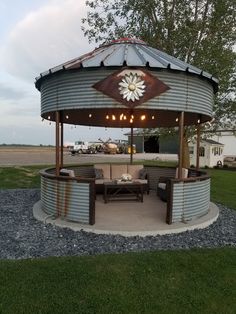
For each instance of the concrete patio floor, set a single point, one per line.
(131, 218)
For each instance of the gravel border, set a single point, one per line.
(22, 236)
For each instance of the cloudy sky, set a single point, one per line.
(35, 36)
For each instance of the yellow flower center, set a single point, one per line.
(131, 87)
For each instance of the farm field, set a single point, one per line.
(27, 155)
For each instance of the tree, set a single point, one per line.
(200, 32)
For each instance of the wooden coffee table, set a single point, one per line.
(125, 191)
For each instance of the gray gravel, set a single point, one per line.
(21, 236)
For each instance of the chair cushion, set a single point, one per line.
(143, 181)
(67, 172)
(134, 170)
(106, 170)
(98, 173)
(142, 174)
(101, 181)
(117, 171)
(162, 185)
(184, 173)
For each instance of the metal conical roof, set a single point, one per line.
(128, 52)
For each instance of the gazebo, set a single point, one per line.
(125, 83)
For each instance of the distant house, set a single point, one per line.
(210, 153)
(228, 138)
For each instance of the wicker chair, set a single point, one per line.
(163, 184)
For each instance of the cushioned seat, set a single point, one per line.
(67, 172)
(164, 182)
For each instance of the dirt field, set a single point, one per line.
(11, 156)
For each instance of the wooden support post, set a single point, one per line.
(62, 144)
(131, 145)
(57, 143)
(198, 146)
(181, 141)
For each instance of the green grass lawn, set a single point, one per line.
(223, 187)
(195, 281)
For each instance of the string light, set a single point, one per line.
(90, 115)
(113, 117)
(49, 117)
(198, 121)
(177, 119)
(131, 120)
(153, 117)
(143, 117)
(124, 117)
(107, 117)
(121, 116)
(67, 117)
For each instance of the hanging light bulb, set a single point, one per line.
(143, 117)
(121, 116)
(90, 115)
(107, 117)
(124, 117)
(131, 120)
(198, 121)
(177, 119)
(153, 117)
(49, 117)
(67, 117)
(113, 117)
(132, 116)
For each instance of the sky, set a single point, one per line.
(36, 36)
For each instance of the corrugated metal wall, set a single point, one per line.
(73, 90)
(73, 202)
(190, 200)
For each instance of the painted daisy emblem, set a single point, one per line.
(132, 87)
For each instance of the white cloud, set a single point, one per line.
(45, 38)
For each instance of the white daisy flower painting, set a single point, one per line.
(132, 87)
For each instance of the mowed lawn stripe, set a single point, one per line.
(194, 281)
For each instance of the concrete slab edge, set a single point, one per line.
(201, 223)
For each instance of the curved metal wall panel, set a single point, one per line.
(190, 200)
(72, 203)
(73, 90)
